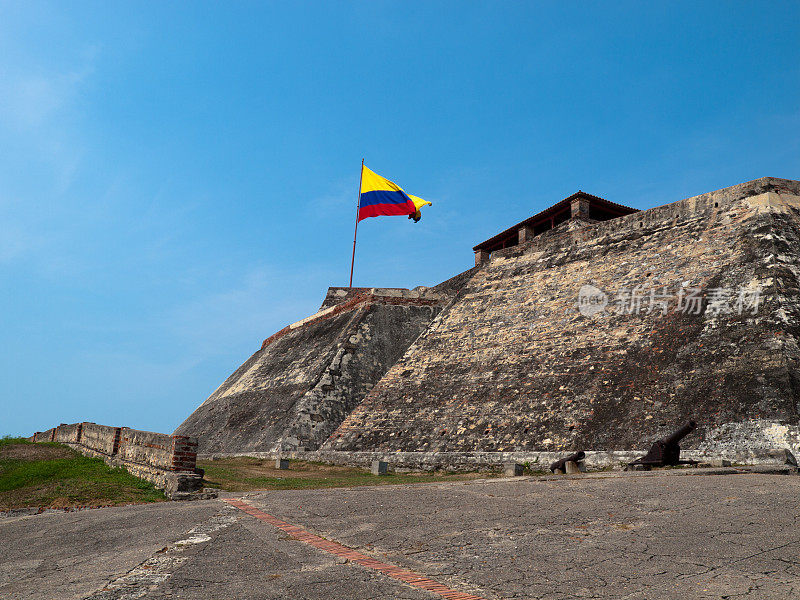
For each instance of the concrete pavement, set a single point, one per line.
(733, 536)
(70, 555)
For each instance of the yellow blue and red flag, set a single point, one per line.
(381, 197)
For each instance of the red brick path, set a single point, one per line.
(404, 575)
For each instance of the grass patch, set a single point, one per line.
(55, 476)
(8, 440)
(244, 474)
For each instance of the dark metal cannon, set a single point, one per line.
(562, 464)
(666, 451)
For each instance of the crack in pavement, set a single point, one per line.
(406, 576)
(738, 560)
(157, 569)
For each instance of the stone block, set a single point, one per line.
(178, 486)
(638, 468)
(282, 464)
(573, 468)
(379, 467)
(780, 456)
(512, 469)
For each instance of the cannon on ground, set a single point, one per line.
(666, 451)
(561, 465)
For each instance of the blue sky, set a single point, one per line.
(178, 180)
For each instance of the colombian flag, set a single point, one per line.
(381, 197)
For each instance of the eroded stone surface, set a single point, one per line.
(499, 358)
(301, 385)
(512, 365)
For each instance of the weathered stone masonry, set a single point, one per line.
(303, 382)
(168, 461)
(498, 361)
(513, 366)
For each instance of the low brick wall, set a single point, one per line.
(184, 452)
(168, 461)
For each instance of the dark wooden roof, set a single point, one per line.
(558, 208)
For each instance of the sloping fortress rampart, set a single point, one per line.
(688, 310)
(309, 376)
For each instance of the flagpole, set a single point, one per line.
(355, 233)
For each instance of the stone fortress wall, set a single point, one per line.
(501, 363)
(302, 383)
(514, 366)
(167, 461)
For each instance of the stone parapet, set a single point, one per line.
(44, 436)
(338, 295)
(769, 191)
(100, 438)
(68, 433)
(167, 461)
